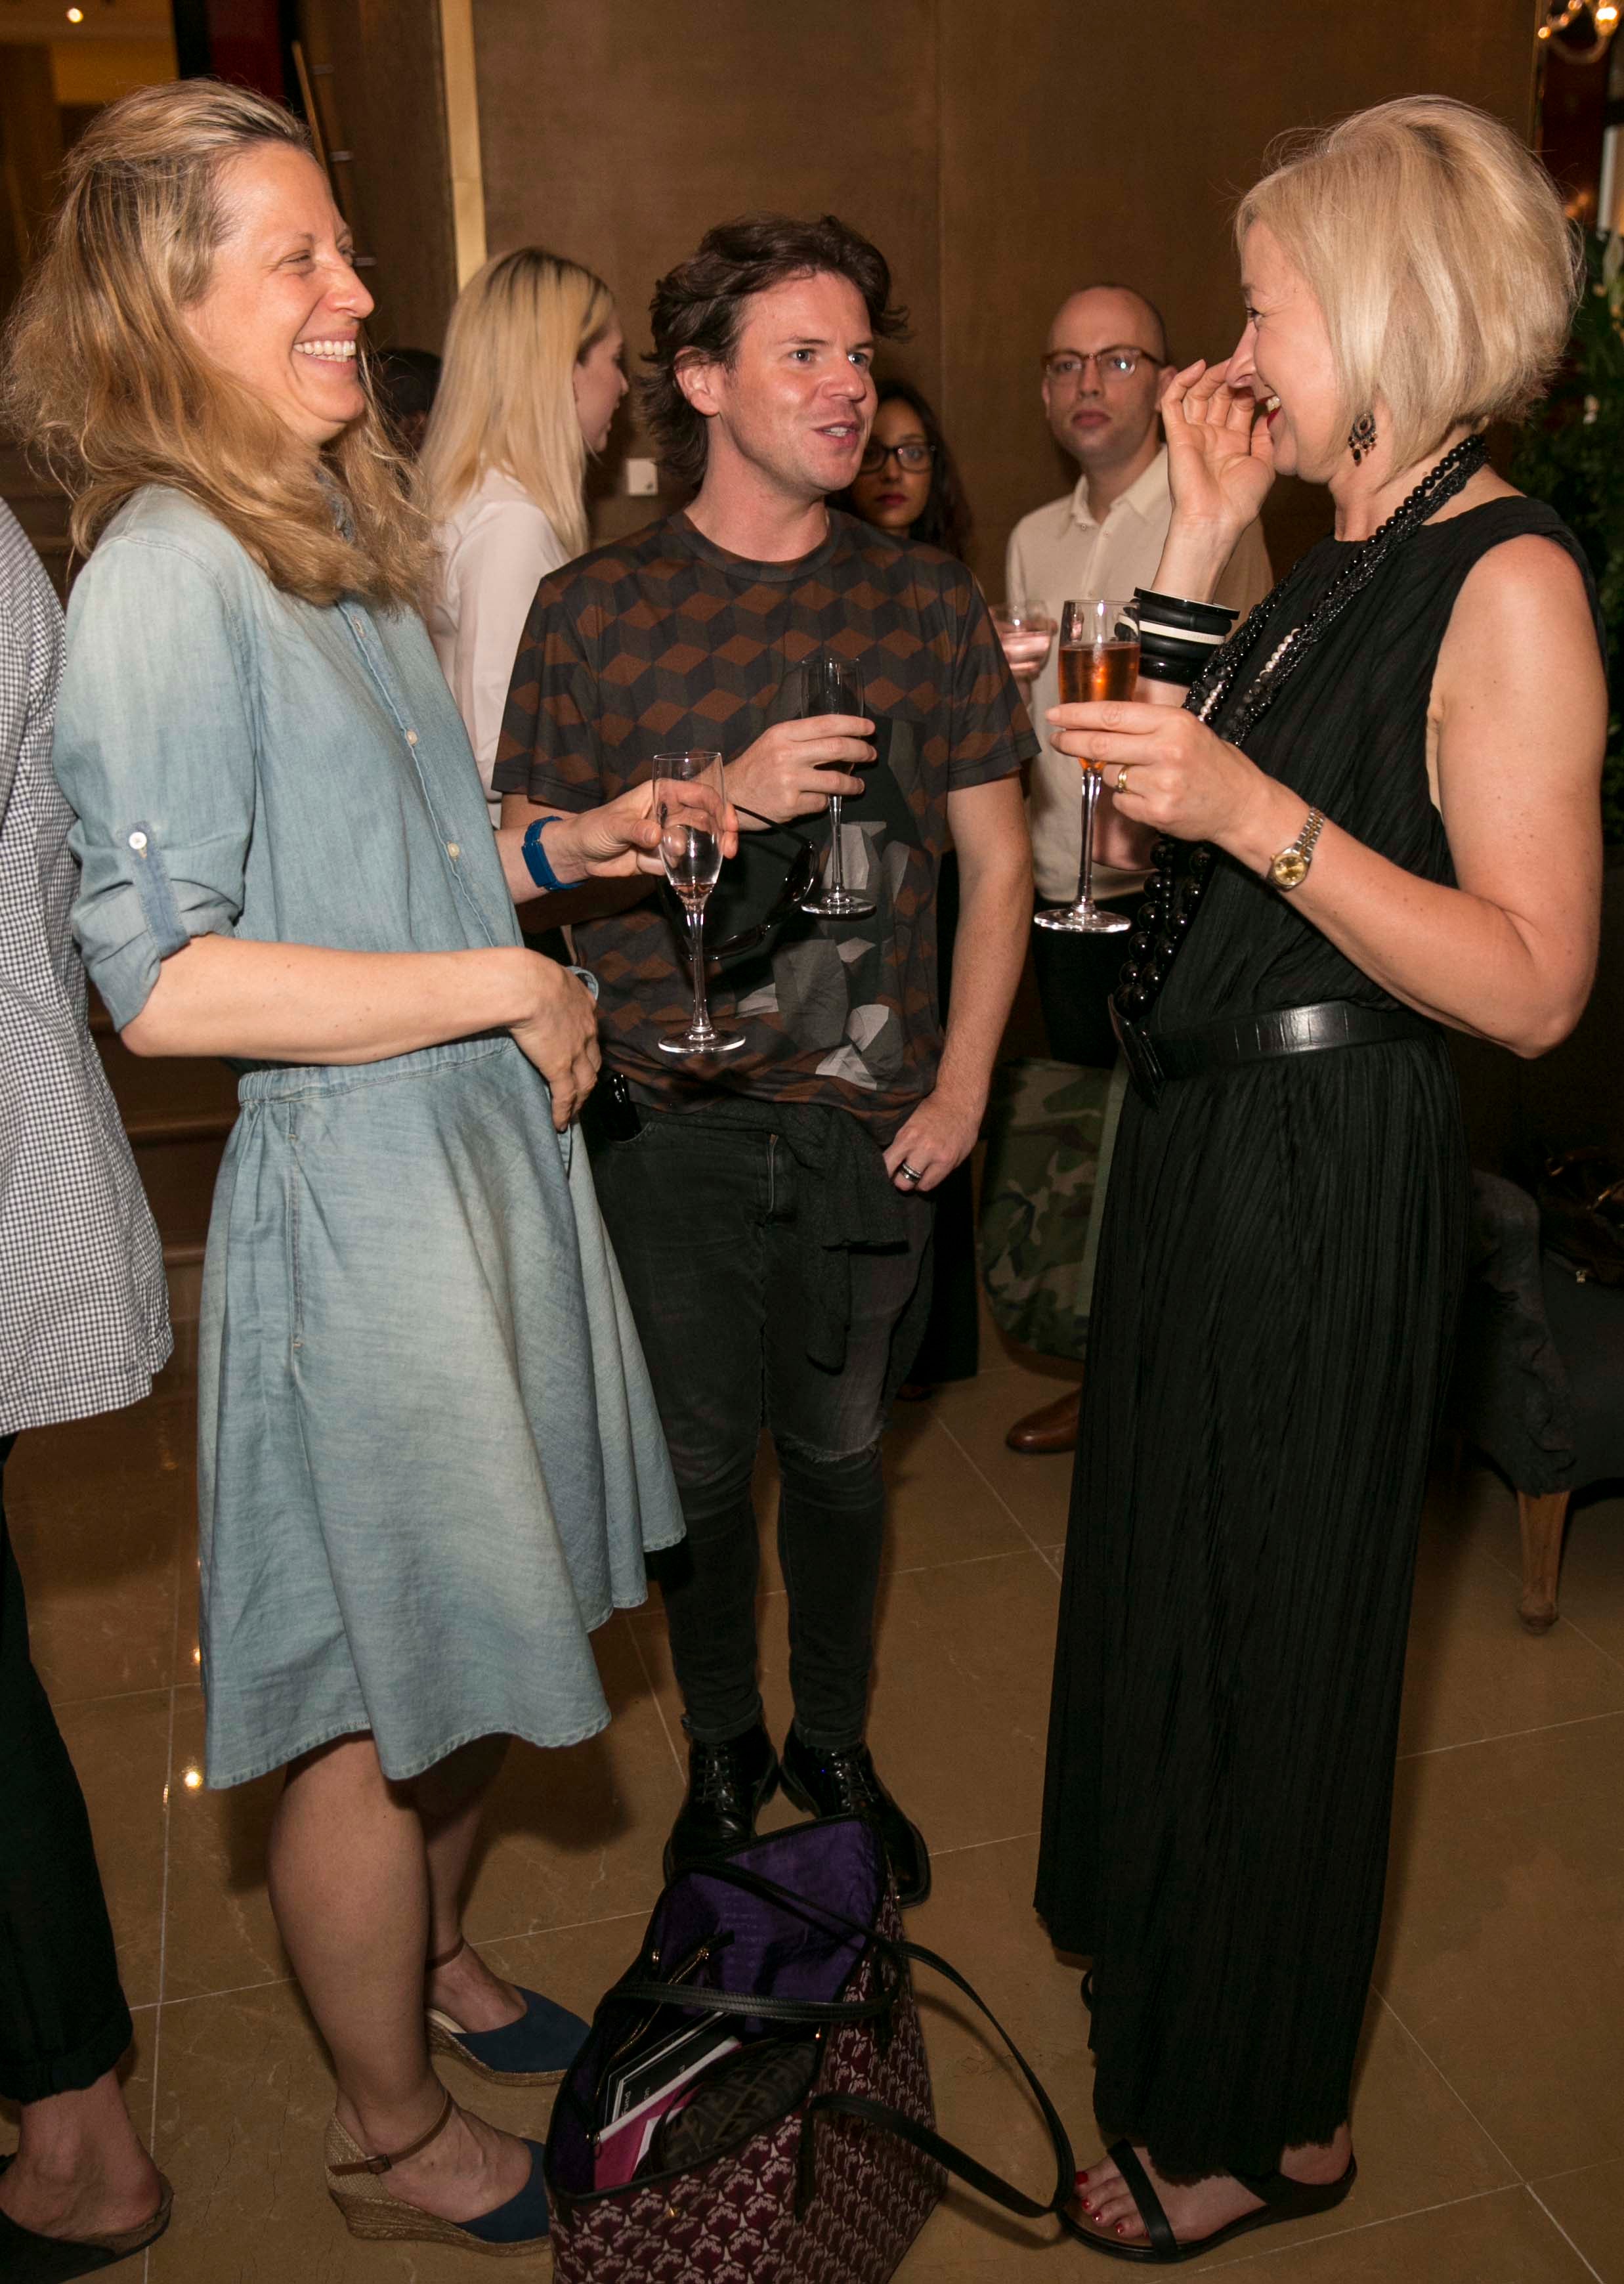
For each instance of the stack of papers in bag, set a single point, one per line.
(644, 2087)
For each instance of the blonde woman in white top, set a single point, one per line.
(532, 375)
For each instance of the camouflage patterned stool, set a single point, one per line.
(1050, 1130)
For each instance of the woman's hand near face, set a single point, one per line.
(1221, 464)
(558, 1032)
(1181, 777)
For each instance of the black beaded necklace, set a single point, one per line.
(1184, 868)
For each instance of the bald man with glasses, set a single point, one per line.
(1102, 367)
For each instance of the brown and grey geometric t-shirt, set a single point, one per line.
(664, 640)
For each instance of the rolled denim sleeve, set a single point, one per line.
(154, 750)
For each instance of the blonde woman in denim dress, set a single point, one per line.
(430, 1462)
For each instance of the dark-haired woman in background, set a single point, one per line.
(909, 485)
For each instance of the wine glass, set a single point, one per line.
(1099, 658)
(690, 800)
(833, 685)
(1025, 631)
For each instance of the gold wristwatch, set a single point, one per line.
(1290, 869)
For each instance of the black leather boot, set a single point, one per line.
(845, 1784)
(727, 1788)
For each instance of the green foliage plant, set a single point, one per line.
(1573, 454)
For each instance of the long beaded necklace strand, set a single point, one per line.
(1184, 868)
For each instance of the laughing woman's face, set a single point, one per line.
(283, 307)
(1284, 356)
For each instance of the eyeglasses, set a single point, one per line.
(1066, 366)
(911, 457)
(794, 889)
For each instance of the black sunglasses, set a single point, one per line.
(796, 886)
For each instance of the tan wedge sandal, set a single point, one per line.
(354, 2182)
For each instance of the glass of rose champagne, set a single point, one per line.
(1099, 659)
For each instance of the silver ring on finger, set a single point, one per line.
(909, 1173)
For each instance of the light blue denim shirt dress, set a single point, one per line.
(430, 1460)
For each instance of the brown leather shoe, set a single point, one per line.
(1051, 1427)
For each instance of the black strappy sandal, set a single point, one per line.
(1282, 2200)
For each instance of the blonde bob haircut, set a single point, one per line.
(507, 397)
(104, 381)
(1439, 253)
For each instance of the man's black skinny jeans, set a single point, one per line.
(702, 1217)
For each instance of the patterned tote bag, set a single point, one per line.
(754, 2099)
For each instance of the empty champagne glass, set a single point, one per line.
(690, 802)
(1099, 658)
(833, 685)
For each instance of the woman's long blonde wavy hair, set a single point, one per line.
(507, 398)
(103, 381)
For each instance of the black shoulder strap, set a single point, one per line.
(956, 2161)
(946, 2154)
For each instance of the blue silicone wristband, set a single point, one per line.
(535, 857)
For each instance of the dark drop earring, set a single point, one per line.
(1361, 436)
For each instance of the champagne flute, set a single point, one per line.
(689, 800)
(1099, 658)
(1026, 630)
(833, 685)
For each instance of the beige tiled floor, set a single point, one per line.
(1490, 2109)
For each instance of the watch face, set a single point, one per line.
(1290, 869)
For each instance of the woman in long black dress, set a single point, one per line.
(1391, 815)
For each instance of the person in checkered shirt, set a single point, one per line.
(771, 1210)
(84, 1324)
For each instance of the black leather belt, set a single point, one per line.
(1230, 1045)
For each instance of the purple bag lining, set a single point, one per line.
(837, 1865)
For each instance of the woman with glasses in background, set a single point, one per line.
(909, 485)
(531, 379)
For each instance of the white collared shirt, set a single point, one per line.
(1059, 552)
(492, 552)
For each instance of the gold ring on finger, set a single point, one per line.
(1121, 776)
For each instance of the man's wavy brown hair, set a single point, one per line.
(103, 381)
(698, 308)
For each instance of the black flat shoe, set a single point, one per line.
(27, 2258)
(846, 1784)
(727, 1788)
(1282, 2200)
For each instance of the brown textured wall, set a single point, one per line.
(999, 154)
(376, 80)
(1112, 142)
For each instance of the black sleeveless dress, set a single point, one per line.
(1279, 1270)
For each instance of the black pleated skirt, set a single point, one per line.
(1279, 1275)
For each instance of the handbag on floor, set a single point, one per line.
(755, 2098)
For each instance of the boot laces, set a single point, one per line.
(852, 1782)
(719, 1780)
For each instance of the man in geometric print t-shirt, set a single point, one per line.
(770, 1208)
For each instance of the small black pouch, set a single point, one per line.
(609, 1114)
(741, 2094)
